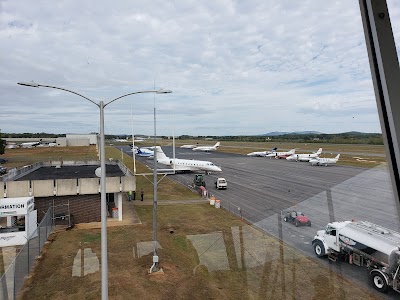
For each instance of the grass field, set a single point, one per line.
(209, 255)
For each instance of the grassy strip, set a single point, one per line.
(209, 255)
(26, 156)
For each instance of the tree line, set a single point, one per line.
(337, 138)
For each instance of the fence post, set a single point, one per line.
(14, 290)
(38, 228)
(28, 255)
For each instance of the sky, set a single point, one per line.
(234, 67)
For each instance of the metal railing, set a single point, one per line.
(15, 173)
(13, 279)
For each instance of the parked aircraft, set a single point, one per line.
(304, 157)
(317, 161)
(207, 148)
(281, 154)
(145, 152)
(12, 146)
(121, 140)
(31, 144)
(262, 153)
(185, 165)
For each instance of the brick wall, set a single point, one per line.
(84, 208)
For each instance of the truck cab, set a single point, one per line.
(328, 239)
(221, 184)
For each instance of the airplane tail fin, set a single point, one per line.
(273, 150)
(217, 145)
(292, 151)
(160, 155)
(337, 156)
(319, 151)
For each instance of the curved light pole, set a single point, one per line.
(101, 106)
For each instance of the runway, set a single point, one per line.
(263, 187)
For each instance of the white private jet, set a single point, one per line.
(207, 148)
(185, 165)
(281, 154)
(304, 157)
(262, 153)
(31, 144)
(317, 161)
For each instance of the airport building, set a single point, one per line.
(72, 188)
(68, 140)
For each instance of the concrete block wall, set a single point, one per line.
(128, 183)
(89, 186)
(66, 187)
(113, 184)
(17, 189)
(42, 188)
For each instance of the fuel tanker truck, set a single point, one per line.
(363, 244)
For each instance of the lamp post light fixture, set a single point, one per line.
(101, 105)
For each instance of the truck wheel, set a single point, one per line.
(319, 249)
(309, 223)
(285, 219)
(296, 223)
(379, 281)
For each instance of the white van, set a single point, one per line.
(221, 184)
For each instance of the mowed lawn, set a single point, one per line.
(206, 254)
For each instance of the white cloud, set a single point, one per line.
(235, 67)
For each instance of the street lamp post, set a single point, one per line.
(101, 106)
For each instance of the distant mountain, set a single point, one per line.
(275, 133)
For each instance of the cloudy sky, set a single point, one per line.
(235, 67)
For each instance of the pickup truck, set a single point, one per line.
(221, 184)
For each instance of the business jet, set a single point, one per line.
(281, 154)
(317, 161)
(121, 140)
(304, 157)
(262, 153)
(31, 144)
(207, 148)
(185, 165)
(145, 152)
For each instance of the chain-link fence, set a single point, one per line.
(12, 281)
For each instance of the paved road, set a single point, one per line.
(263, 187)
